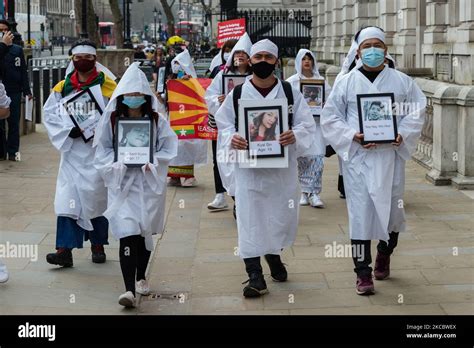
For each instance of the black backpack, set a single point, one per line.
(288, 93)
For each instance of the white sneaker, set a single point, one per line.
(315, 201)
(142, 287)
(218, 203)
(304, 199)
(3, 273)
(188, 182)
(127, 299)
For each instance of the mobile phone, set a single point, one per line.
(2, 34)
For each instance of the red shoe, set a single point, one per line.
(382, 266)
(365, 285)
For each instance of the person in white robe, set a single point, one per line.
(4, 113)
(237, 64)
(266, 199)
(81, 197)
(310, 166)
(374, 174)
(191, 152)
(136, 196)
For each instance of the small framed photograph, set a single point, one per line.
(134, 141)
(85, 112)
(376, 117)
(160, 80)
(314, 92)
(261, 122)
(230, 81)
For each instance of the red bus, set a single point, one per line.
(189, 31)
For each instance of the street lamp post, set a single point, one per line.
(28, 5)
(84, 34)
(155, 13)
(160, 16)
(126, 16)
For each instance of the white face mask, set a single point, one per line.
(226, 56)
(175, 68)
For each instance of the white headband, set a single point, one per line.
(84, 49)
(371, 33)
(264, 46)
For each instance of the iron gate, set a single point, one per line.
(290, 29)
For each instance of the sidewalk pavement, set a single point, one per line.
(194, 269)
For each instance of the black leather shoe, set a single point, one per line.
(277, 268)
(256, 285)
(62, 257)
(98, 254)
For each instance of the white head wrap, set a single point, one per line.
(244, 44)
(299, 63)
(133, 80)
(216, 61)
(185, 61)
(264, 45)
(86, 49)
(370, 33)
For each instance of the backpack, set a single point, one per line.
(288, 93)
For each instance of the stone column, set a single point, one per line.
(388, 19)
(405, 37)
(435, 21)
(337, 31)
(328, 24)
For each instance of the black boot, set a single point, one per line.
(62, 257)
(98, 254)
(256, 282)
(277, 268)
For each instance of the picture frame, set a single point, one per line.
(160, 80)
(314, 92)
(261, 122)
(229, 81)
(85, 112)
(133, 141)
(377, 120)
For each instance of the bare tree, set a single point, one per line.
(169, 15)
(92, 25)
(118, 22)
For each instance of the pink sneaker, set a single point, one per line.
(365, 285)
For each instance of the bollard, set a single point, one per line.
(63, 73)
(46, 85)
(56, 72)
(37, 94)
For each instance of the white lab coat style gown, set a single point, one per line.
(80, 191)
(319, 145)
(266, 199)
(136, 197)
(374, 179)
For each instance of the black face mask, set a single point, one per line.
(263, 69)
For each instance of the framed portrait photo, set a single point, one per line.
(376, 117)
(160, 80)
(314, 92)
(133, 141)
(229, 81)
(85, 112)
(261, 122)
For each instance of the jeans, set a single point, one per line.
(70, 235)
(11, 143)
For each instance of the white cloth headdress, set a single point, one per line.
(86, 49)
(264, 45)
(244, 44)
(185, 61)
(299, 63)
(371, 33)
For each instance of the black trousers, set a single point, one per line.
(340, 185)
(11, 143)
(361, 254)
(217, 177)
(134, 259)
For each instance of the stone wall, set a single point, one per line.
(117, 60)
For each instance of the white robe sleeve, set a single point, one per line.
(167, 149)
(303, 124)
(336, 130)
(57, 123)
(409, 126)
(212, 93)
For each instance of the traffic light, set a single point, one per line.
(146, 28)
(42, 26)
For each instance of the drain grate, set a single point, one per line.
(180, 296)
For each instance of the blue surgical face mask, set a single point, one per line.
(373, 57)
(134, 102)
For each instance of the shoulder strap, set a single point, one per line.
(237, 93)
(289, 95)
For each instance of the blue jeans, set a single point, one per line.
(11, 144)
(70, 235)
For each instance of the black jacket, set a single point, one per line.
(14, 69)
